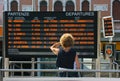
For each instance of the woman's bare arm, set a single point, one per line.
(54, 48)
(77, 62)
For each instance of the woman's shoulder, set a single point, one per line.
(73, 50)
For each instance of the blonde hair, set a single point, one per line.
(67, 40)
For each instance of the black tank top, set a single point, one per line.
(66, 59)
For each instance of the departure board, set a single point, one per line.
(32, 33)
(108, 29)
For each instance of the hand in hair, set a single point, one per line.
(54, 48)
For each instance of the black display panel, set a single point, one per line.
(32, 33)
(108, 28)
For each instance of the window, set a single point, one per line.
(14, 6)
(85, 5)
(58, 6)
(116, 10)
(69, 6)
(43, 6)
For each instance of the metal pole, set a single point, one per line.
(110, 74)
(21, 66)
(1, 77)
(33, 66)
(57, 70)
(98, 45)
(110, 40)
(39, 66)
(6, 66)
(117, 69)
(34, 5)
(3, 44)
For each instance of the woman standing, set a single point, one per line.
(66, 55)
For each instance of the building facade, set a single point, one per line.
(106, 8)
(1, 11)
